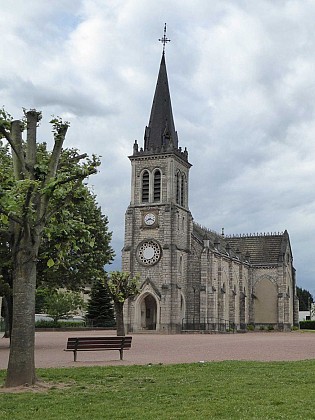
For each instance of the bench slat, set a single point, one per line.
(97, 346)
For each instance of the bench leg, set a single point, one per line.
(75, 355)
(121, 354)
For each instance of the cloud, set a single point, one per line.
(242, 85)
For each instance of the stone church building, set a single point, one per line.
(191, 277)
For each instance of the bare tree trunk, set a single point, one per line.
(21, 367)
(119, 309)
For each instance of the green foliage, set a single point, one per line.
(221, 390)
(47, 324)
(307, 325)
(122, 286)
(62, 303)
(100, 311)
(75, 245)
(250, 327)
(5, 121)
(305, 299)
(40, 299)
(59, 324)
(64, 323)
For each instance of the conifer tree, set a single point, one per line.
(100, 312)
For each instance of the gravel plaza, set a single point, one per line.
(170, 349)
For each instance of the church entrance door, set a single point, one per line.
(148, 313)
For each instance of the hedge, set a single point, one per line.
(307, 325)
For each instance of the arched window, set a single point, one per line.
(145, 186)
(157, 186)
(178, 185)
(182, 195)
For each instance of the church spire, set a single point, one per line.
(160, 134)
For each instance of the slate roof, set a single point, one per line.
(263, 248)
(258, 249)
(161, 129)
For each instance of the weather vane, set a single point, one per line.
(164, 40)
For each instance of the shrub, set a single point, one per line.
(270, 327)
(71, 324)
(47, 324)
(262, 328)
(307, 325)
(100, 322)
(59, 324)
(250, 327)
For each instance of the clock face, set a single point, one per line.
(149, 219)
(149, 252)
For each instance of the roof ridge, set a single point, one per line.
(254, 235)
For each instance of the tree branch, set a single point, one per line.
(33, 117)
(11, 216)
(78, 177)
(11, 143)
(27, 202)
(18, 154)
(55, 156)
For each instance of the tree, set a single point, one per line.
(41, 186)
(305, 299)
(121, 286)
(6, 180)
(100, 311)
(62, 263)
(62, 303)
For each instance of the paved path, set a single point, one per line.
(181, 348)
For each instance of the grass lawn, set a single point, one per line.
(226, 390)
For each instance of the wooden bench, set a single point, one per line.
(76, 344)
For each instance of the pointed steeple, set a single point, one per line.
(160, 135)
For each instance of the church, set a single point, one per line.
(192, 278)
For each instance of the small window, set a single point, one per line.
(180, 265)
(157, 185)
(145, 186)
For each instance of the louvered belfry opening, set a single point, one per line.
(157, 185)
(145, 186)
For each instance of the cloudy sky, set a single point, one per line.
(242, 81)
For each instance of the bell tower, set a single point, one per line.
(158, 222)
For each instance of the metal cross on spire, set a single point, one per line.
(164, 40)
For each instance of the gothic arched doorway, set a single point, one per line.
(148, 312)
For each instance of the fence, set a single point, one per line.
(208, 324)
